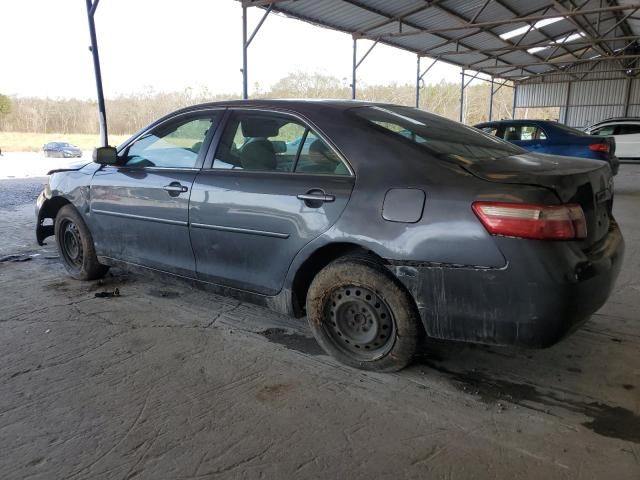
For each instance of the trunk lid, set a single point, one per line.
(574, 180)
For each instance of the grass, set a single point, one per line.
(32, 142)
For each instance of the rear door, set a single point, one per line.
(140, 208)
(627, 137)
(261, 200)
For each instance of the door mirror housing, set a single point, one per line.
(105, 155)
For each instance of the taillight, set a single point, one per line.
(540, 222)
(599, 147)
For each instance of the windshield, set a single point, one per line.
(437, 134)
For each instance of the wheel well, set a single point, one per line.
(49, 209)
(316, 262)
(52, 206)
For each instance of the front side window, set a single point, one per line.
(274, 142)
(604, 131)
(175, 144)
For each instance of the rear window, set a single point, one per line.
(569, 130)
(438, 135)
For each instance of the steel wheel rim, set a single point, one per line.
(71, 244)
(359, 322)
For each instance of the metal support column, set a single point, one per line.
(627, 96)
(102, 113)
(565, 117)
(353, 70)
(420, 76)
(245, 85)
(418, 82)
(491, 102)
(462, 75)
(245, 46)
(356, 63)
(515, 96)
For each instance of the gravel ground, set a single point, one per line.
(20, 191)
(169, 382)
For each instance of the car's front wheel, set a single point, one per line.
(363, 316)
(76, 247)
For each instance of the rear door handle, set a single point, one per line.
(313, 197)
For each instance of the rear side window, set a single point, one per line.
(627, 129)
(274, 142)
(523, 133)
(437, 134)
(317, 157)
(490, 130)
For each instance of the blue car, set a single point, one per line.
(543, 136)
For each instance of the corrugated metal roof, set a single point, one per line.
(516, 35)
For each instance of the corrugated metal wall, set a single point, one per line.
(583, 103)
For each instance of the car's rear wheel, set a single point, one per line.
(76, 247)
(363, 316)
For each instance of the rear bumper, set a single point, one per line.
(545, 292)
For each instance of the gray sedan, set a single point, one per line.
(386, 224)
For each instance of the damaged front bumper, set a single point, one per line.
(546, 290)
(42, 231)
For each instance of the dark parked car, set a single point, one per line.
(543, 136)
(61, 149)
(379, 237)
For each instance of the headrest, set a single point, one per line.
(260, 127)
(258, 155)
(318, 147)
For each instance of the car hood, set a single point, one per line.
(69, 168)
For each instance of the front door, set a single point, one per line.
(274, 186)
(140, 208)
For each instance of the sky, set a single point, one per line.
(169, 45)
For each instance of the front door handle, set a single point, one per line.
(175, 189)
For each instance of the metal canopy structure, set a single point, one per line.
(508, 39)
(515, 43)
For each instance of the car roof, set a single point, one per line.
(290, 104)
(617, 120)
(517, 122)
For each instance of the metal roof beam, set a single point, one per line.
(495, 35)
(526, 47)
(497, 23)
(359, 35)
(569, 62)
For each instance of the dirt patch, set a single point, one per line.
(294, 341)
(275, 392)
(607, 420)
(163, 293)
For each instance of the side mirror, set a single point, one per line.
(105, 155)
(279, 146)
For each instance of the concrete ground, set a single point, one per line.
(168, 382)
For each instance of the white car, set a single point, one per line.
(626, 131)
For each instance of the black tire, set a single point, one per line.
(75, 246)
(363, 316)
